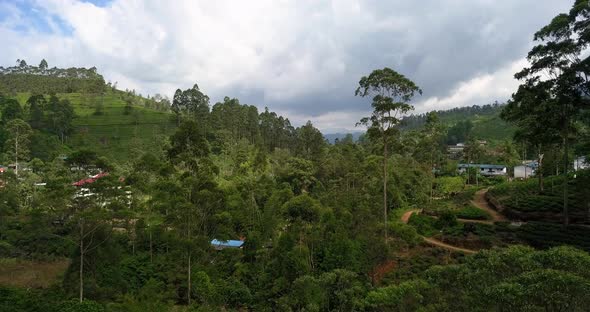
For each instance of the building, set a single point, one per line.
(219, 244)
(91, 179)
(526, 170)
(456, 148)
(2, 169)
(484, 169)
(581, 163)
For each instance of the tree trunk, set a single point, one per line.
(189, 278)
(81, 260)
(16, 153)
(566, 218)
(433, 177)
(151, 249)
(385, 186)
(540, 172)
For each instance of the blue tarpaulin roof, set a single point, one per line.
(228, 243)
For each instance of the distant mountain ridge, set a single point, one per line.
(332, 137)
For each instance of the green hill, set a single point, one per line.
(102, 123)
(114, 123)
(484, 123)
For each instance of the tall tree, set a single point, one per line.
(430, 147)
(191, 103)
(11, 110)
(20, 133)
(35, 106)
(43, 65)
(561, 68)
(310, 142)
(391, 93)
(532, 111)
(60, 115)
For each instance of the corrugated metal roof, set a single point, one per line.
(485, 166)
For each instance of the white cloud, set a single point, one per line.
(331, 122)
(482, 89)
(300, 57)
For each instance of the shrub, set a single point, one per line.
(446, 219)
(472, 213)
(447, 186)
(407, 233)
(425, 225)
(85, 306)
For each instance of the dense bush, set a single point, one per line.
(545, 235)
(472, 213)
(524, 200)
(513, 279)
(448, 186)
(425, 225)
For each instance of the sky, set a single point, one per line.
(300, 58)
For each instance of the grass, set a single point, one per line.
(31, 274)
(113, 133)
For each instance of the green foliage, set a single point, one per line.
(425, 225)
(448, 186)
(472, 213)
(43, 80)
(84, 306)
(30, 300)
(545, 235)
(515, 279)
(302, 208)
(406, 296)
(523, 200)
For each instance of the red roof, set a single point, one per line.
(91, 179)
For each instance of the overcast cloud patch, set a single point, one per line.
(302, 58)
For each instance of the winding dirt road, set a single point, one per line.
(480, 202)
(406, 217)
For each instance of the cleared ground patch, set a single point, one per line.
(31, 274)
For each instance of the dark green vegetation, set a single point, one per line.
(320, 223)
(481, 122)
(524, 201)
(513, 279)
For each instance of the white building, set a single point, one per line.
(526, 170)
(484, 169)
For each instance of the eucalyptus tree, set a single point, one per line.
(430, 147)
(35, 106)
(191, 152)
(391, 92)
(192, 103)
(530, 109)
(560, 68)
(19, 139)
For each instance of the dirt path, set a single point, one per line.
(480, 202)
(446, 246)
(406, 217)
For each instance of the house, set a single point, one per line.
(526, 170)
(456, 148)
(219, 244)
(581, 163)
(484, 169)
(90, 179)
(2, 169)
